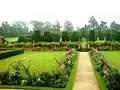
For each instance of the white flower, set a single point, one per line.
(38, 79)
(69, 62)
(62, 66)
(23, 82)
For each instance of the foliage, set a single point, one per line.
(21, 28)
(21, 39)
(92, 35)
(93, 22)
(110, 74)
(55, 46)
(65, 36)
(105, 45)
(18, 73)
(75, 36)
(117, 36)
(69, 28)
(18, 28)
(10, 52)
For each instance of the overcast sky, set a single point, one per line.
(78, 11)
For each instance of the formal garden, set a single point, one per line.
(47, 58)
(52, 65)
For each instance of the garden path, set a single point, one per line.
(85, 78)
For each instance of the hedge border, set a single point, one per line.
(110, 74)
(69, 86)
(11, 52)
(100, 79)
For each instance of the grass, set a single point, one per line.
(113, 58)
(43, 61)
(99, 77)
(68, 87)
(3, 51)
(11, 39)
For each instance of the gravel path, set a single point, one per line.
(85, 78)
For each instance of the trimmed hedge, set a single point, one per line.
(18, 73)
(10, 52)
(43, 46)
(110, 74)
(105, 45)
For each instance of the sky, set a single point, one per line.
(77, 11)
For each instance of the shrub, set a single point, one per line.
(18, 73)
(110, 75)
(105, 46)
(11, 52)
(21, 39)
(48, 45)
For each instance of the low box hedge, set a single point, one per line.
(10, 52)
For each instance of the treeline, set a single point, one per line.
(18, 28)
(46, 31)
(49, 37)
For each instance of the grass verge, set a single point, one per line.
(100, 80)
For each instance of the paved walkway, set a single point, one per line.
(85, 78)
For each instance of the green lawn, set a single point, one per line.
(51, 54)
(69, 86)
(113, 58)
(11, 39)
(43, 61)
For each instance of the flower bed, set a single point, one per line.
(105, 46)
(18, 73)
(110, 74)
(39, 46)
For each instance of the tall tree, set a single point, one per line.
(102, 31)
(93, 24)
(103, 24)
(6, 28)
(115, 26)
(38, 26)
(68, 27)
(48, 26)
(85, 31)
(75, 36)
(21, 27)
(57, 26)
(56, 29)
(92, 35)
(65, 36)
(79, 32)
